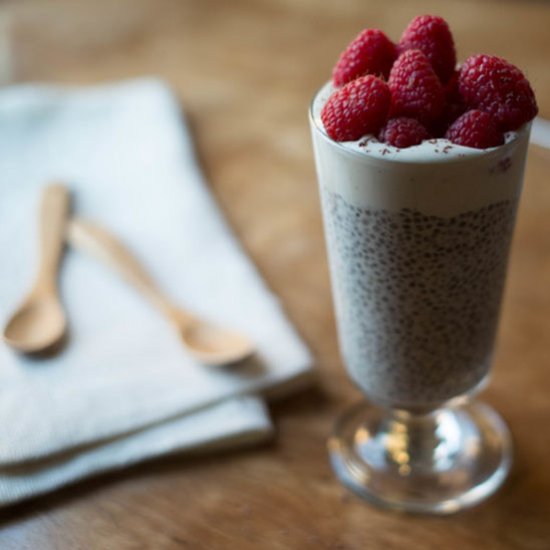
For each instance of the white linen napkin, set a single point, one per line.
(232, 423)
(125, 389)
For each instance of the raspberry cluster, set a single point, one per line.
(407, 92)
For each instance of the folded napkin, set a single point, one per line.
(125, 389)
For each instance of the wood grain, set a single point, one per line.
(245, 71)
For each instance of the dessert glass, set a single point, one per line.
(418, 242)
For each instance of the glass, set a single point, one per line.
(418, 249)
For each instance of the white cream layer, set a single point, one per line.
(436, 177)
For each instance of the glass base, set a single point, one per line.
(439, 462)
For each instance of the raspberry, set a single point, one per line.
(454, 104)
(403, 132)
(476, 129)
(490, 83)
(358, 108)
(453, 108)
(431, 35)
(372, 52)
(416, 91)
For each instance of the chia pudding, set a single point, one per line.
(418, 242)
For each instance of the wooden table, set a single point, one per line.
(245, 71)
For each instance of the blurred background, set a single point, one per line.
(245, 71)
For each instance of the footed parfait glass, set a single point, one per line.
(418, 242)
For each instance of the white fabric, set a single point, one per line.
(128, 157)
(232, 423)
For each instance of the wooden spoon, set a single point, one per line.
(208, 343)
(39, 323)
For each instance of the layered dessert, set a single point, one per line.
(420, 166)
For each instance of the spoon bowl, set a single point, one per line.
(37, 325)
(214, 345)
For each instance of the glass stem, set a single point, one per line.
(419, 440)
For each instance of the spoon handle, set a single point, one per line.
(54, 211)
(102, 245)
